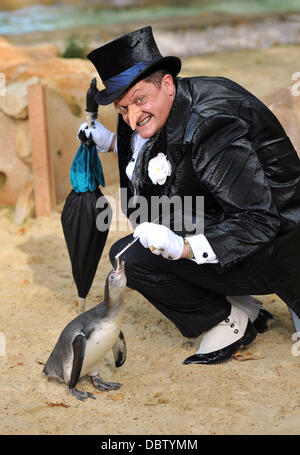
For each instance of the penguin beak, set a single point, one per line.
(119, 266)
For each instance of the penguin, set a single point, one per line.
(84, 342)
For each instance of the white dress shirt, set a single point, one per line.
(203, 252)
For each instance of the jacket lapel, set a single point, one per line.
(175, 126)
(169, 140)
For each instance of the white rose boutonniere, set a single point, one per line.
(159, 169)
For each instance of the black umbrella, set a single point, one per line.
(84, 230)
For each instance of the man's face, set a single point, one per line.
(146, 107)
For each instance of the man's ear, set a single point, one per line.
(168, 83)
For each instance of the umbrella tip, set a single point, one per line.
(81, 305)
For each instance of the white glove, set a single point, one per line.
(160, 240)
(101, 136)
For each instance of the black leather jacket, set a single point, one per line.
(226, 145)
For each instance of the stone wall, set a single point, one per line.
(66, 81)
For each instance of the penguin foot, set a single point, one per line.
(80, 395)
(99, 384)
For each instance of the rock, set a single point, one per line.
(23, 145)
(41, 51)
(15, 149)
(15, 102)
(11, 55)
(69, 77)
(14, 172)
(25, 203)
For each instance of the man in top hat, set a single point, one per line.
(201, 137)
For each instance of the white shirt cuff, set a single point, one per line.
(203, 252)
(115, 150)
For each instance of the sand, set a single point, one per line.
(258, 393)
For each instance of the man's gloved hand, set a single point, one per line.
(160, 240)
(101, 136)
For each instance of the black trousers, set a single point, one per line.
(192, 296)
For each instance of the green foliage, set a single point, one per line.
(75, 48)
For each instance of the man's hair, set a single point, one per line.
(156, 77)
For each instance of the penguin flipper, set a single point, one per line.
(79, 344)
(119, 350)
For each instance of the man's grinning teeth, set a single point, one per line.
(144, 121)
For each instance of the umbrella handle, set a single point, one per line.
(90, 118)
(91, 105)
(81, 304)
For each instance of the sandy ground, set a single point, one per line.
(160, 395)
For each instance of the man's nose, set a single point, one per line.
(134, 113)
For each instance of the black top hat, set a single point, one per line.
(124, 61)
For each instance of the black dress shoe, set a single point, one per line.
(262, 322)
(224, 354)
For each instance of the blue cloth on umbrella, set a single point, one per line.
(86, 171)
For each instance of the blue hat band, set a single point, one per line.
(124, 78)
